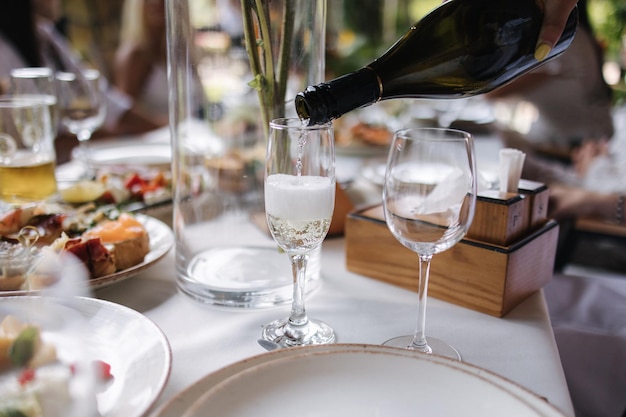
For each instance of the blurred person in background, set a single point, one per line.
(562, 116)
(555, 14)
(552, 110)
(29, 38)
(140, 67)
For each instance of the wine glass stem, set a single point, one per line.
(419, 337)
(83, 137)
(298, 316)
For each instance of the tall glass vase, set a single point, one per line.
(234, 65)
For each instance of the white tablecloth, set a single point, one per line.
(520, 347)
(588, 311)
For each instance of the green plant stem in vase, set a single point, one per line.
(270, 69)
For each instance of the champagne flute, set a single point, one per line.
(429, 197)
(82, 106)
(37, 83)
(299, 203)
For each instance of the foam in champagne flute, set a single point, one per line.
(297, 198)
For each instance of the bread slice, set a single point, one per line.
(130, 252)
(125, 238)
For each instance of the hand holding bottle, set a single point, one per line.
(555, 17)
(461, 48)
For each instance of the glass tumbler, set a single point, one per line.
(27, 156)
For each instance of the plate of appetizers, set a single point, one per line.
(78, 367)
(112, 245)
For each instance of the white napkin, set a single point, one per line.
(448, 193)
(511, 164)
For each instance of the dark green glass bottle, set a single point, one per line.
(462, 48)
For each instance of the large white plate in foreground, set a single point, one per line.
(138, 352)
(364, 380)
(135, 347)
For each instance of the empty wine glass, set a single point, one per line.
(429, 196)
(38, 83)
(299, 203)
(82, 107)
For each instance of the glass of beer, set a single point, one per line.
(27, 156)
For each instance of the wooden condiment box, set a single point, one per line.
(500, 218)
(538, 195)
(485, 277)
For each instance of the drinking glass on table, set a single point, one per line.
(299, 203)
(27, 156)
(429, 196)
(37, 83)
(82, 107)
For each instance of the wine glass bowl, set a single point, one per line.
(299, 202)
(82, 107)
(429, 196)
(37, 83)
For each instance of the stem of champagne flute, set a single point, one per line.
(298, 316)
(419, 337)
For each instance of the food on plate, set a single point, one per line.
(119, 188)
(82, 192)
(104, 239)
(93, 254)
(126, 238)
(227, 172)
(21, 345)
(362, 133)
(371, 134)
(34, 382)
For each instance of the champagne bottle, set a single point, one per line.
(462, 48)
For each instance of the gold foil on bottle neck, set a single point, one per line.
(380, 83)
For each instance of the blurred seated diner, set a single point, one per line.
(29, 38)
(140, 67)
(555, 108)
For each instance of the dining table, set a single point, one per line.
(204, 338)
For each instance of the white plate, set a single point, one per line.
(161, 241)
(158, 155)
(365, 380)
(375, 173)
(135, 347)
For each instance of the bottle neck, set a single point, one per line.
(328, 101)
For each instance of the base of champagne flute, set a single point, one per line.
(315, 332)
(438, 347)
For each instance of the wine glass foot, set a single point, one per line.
(437, 346)
(315, 332)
